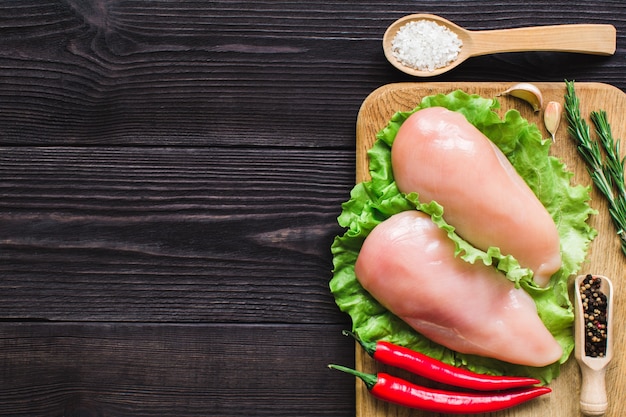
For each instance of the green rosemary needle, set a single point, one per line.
(602, 157)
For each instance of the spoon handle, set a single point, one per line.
(597, 39)
(593, 399)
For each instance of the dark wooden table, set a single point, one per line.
(170, 177)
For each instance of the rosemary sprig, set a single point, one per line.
(602, 157)
(614, 166)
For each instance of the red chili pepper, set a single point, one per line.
(398, 391)
(428, 367)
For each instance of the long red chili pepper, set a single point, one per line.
(423, 365)
(398, 391)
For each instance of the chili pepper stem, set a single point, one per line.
(369, 379)
(370, 347)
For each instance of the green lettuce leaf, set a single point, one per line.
(373, 201)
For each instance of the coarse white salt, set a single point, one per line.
(425, 45)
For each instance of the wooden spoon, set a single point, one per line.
(593, 399)
(597, 39)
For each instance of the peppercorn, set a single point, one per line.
(595, 313)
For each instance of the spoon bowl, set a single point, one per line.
(596, 39)
(593, 398)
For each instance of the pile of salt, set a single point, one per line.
(425, 45)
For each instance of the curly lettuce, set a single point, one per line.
(373, 201)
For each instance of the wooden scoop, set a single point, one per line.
(597, 39)
(593, 399)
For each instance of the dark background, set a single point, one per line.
(170, 177)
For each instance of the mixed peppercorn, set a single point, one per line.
(595, 309)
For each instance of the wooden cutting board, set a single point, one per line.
(605, 256)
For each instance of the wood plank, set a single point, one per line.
(169, 234)
(126, 72)
(248, 73)
(140, 369)
(604, 258)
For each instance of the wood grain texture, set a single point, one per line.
(604, 257)
(249, 73)
(134, 234)
(181, 163)
(123, 369)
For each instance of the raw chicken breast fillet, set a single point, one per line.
(438, 154)
(407, 263)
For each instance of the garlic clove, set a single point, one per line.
(552, 117)
(527, 92)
